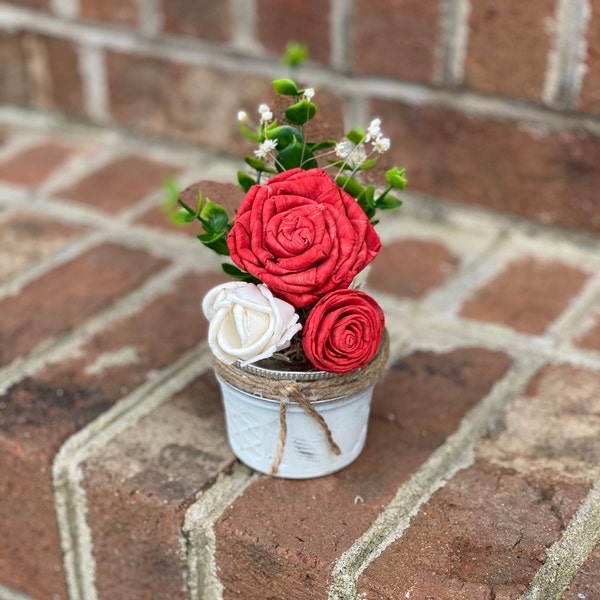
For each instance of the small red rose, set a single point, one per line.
(302, 235)
(343, 331)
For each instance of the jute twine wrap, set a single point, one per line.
(303, 388)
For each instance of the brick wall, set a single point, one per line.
(487, 102)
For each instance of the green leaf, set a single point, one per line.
(350, 185)
(356, 136)
(324, 145)
(214, 217)
(255, 163)
(171, 194)
(182, 217)
(395, 177)
(388, 203)
(245, 181)
(217, 243)
(367, 201)
(290, 157)
(368, 164)
(295, 54)
(248, 133)
(285, 87)
(285, 135)
(233, 271)
(301, 112)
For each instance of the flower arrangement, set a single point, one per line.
(303, 233)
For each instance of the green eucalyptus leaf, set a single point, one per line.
(290, 157)
(295, 54)
(216, 242)
(285, 87)
(350, 185)
(182, 217)
(245, 181)
(324, 145)
(301, 112)
(233, 271)
(214, 217)
(356, 136)
(248, 133)
(368, 163)
(171, 194)
(255, 163)
(388, 203)
(285, 135)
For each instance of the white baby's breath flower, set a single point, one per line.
(242, 116)
(344, 148)
(374, 130)
(309, 94)
(265, 112)
(266, 149)
(247, 323)
(381, 145)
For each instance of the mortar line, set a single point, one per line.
(70, 498)
(454, 37)
(567, 555)
(194, 52)
(7, 593)
(199, 539)
(454, 454)
(59, 348)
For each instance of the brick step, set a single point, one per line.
(480, 475)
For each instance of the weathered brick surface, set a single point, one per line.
(119, 184)
(38, 4)
(486, 532)
(419, 266)
(34, 165)
(117, 11)
(500, 35)
(194, 103)
(590, 91)
(204, 19)
(64, 297)
(528, 295)
(395, 38)
(38, 414)
(287, 534)
(14, 86)
(518, 168)
(274, 26)
(146, 478)
(27, 238)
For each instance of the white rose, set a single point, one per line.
(247, 323)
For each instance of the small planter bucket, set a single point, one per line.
(298, 425)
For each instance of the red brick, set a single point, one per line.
(590, 91)
(227, 195)
(512, 167)
(28, 238)
(116, 11)
(43, 4)
(276, 26)
(204, 19)
(194, 103)
(486, 532)
(586, 583)
(395, 38)
(38, 414)
(31, 167)
(146, 478)
(500, 35)
(590, 339)
(14, 85)
(528, 295)
(418, 267)
(119, 184)
(63, 298)
(287, 534)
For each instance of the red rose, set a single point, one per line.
(343, 331)
(302, 235)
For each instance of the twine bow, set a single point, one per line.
(291, 391)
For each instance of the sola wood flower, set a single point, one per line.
(302, 235)
(343, 331)
(247, 323)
